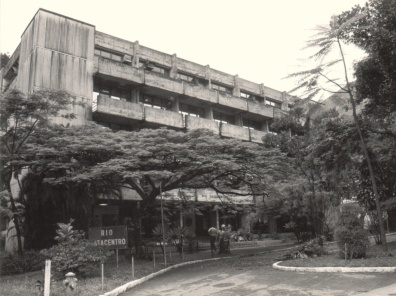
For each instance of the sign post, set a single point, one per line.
(47, 277)
(163, 227)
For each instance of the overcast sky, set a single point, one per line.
(260, 40)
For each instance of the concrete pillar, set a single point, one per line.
(175, 104)
(238, 120)
(284, 105)
(209, 112)
(135, 95)
(262, 92)
(264, 126)
(207, 76)
(236, 91)
(173, 70)
(135, 58)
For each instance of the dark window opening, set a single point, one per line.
(185, 77)
(114, 91)
(155, 102)
(273, 104)
(224, 118)
(251, 124)
(221, 88)
(108, 54)
(149, 66)
(191, 110)
(247, 95)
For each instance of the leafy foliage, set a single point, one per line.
(20, 116)
(17, 264)
(74, 253)
(351, 236)
(4, 59)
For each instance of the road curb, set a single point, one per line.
(137, 282)
(277, 265)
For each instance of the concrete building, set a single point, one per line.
(125, 85)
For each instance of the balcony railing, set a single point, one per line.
(166, 84)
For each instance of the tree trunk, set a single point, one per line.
(366, 155)
(16, 223)
(372, 177)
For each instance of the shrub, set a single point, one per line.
(352, 238)
(15, 264)
(74, 253)
(314, 248)
(79, 256)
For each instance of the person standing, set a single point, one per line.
(214, 234)
(221, 239)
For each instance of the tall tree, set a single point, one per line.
(324, 42)
(150, 161)
(20, 116)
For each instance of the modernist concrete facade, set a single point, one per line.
(125, 85)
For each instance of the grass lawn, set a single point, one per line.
(375, 258)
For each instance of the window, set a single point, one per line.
(158, 70)
(155, 102)
(113, 91)
(247, 95)
(221, 88)
(191, 110)
(108, 55)
(273, 104)
(251, 124)
(149, 66)
(185, 77)
(222, 117)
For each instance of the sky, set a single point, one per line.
(260, 40)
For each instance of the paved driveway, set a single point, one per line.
(254, 276)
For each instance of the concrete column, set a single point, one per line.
(175, 104)
(209, 112)
(135, 95)
(264, 126)
(238, 120)
(284, 105)
(173, 70)
(236, 91)
(135, 58)
(207, 76)
(262, 92)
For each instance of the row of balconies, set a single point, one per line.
(177, 87)
(168, 61)
(139, 113)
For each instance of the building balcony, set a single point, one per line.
(127, 113)
(197, 123)
(231, 101)
(233, 131)
(110, 68)
(162, 84)
(256, 136)
(260, 109)
(163, 117)
(119, 108)
(200, 92)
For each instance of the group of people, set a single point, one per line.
(220, 239)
